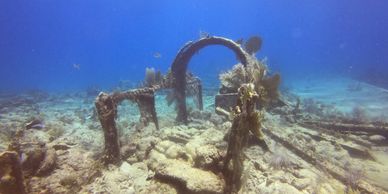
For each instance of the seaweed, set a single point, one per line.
(353, 176)
(280, 160)
(359, 114)
(267, 87)
(231, 80)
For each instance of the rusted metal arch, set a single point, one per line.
(179, 67)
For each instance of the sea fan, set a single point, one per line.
(280, 160)
(271, 85)
(232, 79)
(253, 45)
(354, 175)
(152, 77)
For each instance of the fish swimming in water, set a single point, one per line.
(35, 124)
(157, 55)
(76, 66)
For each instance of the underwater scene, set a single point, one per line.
(193, 97)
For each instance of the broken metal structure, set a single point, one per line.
(245, 119)
(106, 104)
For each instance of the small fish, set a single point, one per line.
(35, 124)
(157, 55)
(76, 66)
(38, 126)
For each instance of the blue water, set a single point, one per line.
(116, 40)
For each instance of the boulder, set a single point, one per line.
(377, 138)
(208, 157)
(192, 180)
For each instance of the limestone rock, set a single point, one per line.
(377, 138)
(193, 180)
(226, 126)
(216, 119)
(48, 164)
(301, 184)
(174, 151)
(208, 157)
(61, 147)
(154, 159)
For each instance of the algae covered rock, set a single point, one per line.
(377, 138)
(48, 164)
(208, 157)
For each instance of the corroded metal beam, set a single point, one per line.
(348, 127)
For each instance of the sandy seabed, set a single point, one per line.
(183, 158)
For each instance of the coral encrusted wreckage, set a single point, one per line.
(247, 79)
(244, 137)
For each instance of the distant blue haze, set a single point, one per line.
(40, 40)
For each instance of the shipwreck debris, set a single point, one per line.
(107, 112)
(245, 119)
(348, 127)
(179, 66)
(177, 79)
(312, 158)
